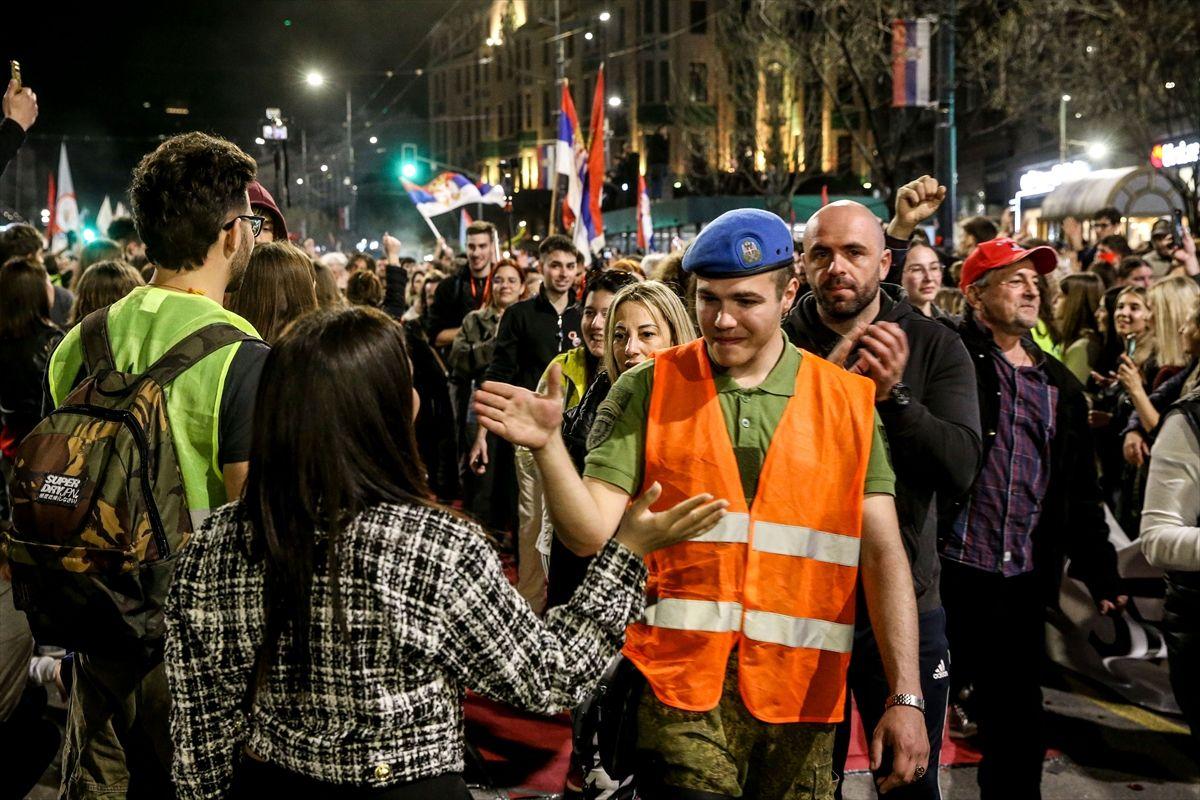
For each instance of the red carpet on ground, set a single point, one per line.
(529, 752)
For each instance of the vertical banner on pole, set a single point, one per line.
(911, 55)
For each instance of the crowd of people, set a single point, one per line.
(268, 512)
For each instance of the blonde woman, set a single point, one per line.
(644, 317)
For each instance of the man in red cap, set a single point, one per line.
(1035, 502)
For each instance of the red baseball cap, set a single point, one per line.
(1004, 252)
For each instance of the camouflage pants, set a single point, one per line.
(118, 739)
(728, 752)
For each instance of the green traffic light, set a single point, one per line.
(408, 169)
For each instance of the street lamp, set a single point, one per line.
(614, 102)
(1062, 128)
(1097, 150)
(316, 80)
(374, 140)
(605, 16)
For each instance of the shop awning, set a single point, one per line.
(1134, 191)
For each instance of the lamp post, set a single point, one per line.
(1062, 128)
(317, 80)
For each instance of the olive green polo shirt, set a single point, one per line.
(617, 444)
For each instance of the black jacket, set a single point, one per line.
(12, 136)
(934, 440)
(23, 365)
(452, 299)
(531, 333)
(1072, 523)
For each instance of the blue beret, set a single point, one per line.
(742, 242)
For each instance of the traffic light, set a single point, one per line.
(409, 166)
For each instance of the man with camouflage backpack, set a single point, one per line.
(163, 381)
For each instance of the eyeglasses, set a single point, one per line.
(256, 223)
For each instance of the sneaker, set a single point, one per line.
(961, 725)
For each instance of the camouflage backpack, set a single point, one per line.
(98, 504)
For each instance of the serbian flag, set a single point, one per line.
(910, 62)
(464, 222)
(449, 191)
(593, 178)
(645, 227)
(571, 159)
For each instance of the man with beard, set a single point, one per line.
(748, 629)
(191, 207)
(925, 396)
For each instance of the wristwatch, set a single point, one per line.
(900, 395)
(905, 700)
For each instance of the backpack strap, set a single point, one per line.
(93, 336)
(193, 348)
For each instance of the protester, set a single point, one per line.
(1104, 222)
(101, 285)
(922, 279)
(1171, 302)
(973, 231)
(336, 264)
(467, 289)
(361, 261)
(274, 227)
(278, 287)
(925, 396)
(532, 333)
(190, 203)
(532, 286)
(20, 112)
(470, 356)
(662, 426)
(364, 289)
(1161, 253)
(23, 241)
(338, 544)
(394, 269)
(636, 321)
(1080, 297)
(98, 250)
(1003, 547)
(1144, 422)
(133, 250)
(326, 286)
(1170, 540)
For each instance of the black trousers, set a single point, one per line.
(255, 780)
(868, 684)
(997, 632)
(1181, 629)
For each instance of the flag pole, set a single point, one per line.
(428, 221)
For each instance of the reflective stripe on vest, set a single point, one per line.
(777, 580)
(142, 326)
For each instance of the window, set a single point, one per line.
(664, 16)
(647, 88)
(698, 82)
(545, 54)
(546, 108)
(647, 16)
(664, 81)
(698, 16)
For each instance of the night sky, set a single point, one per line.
(94, 67)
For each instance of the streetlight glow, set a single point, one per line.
(614, 101)
(588, 36)
(259, 140)
(605, 16)
(1169, 84)
(314, 79)
(1066, 98)
(374, 140)
(299, 181)
(1097, 150)
(324, 168)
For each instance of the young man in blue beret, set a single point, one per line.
(747, 629)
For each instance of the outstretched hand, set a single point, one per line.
(644, 531)
(916, 201)
(524, 418)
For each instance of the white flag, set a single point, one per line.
(120, 211)
(103, 218)
(66, 209)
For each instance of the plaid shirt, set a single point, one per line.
(429, 612)
(994, 530)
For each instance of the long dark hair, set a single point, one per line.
(333, 436)
(1082, 295)
(277, 288)
(24, 300)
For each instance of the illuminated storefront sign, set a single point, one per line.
(1175, 154)
(1041, 181)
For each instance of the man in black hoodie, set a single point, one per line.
(925, 395)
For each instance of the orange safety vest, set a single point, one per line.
(776, 579)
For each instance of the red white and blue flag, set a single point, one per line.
(910, 62)
(593, 178)
(449, 191)
(645, 227)
(571, 160)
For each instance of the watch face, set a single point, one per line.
(901, 394)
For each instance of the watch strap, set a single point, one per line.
(912, 700)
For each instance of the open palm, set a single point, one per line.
(525, 418)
